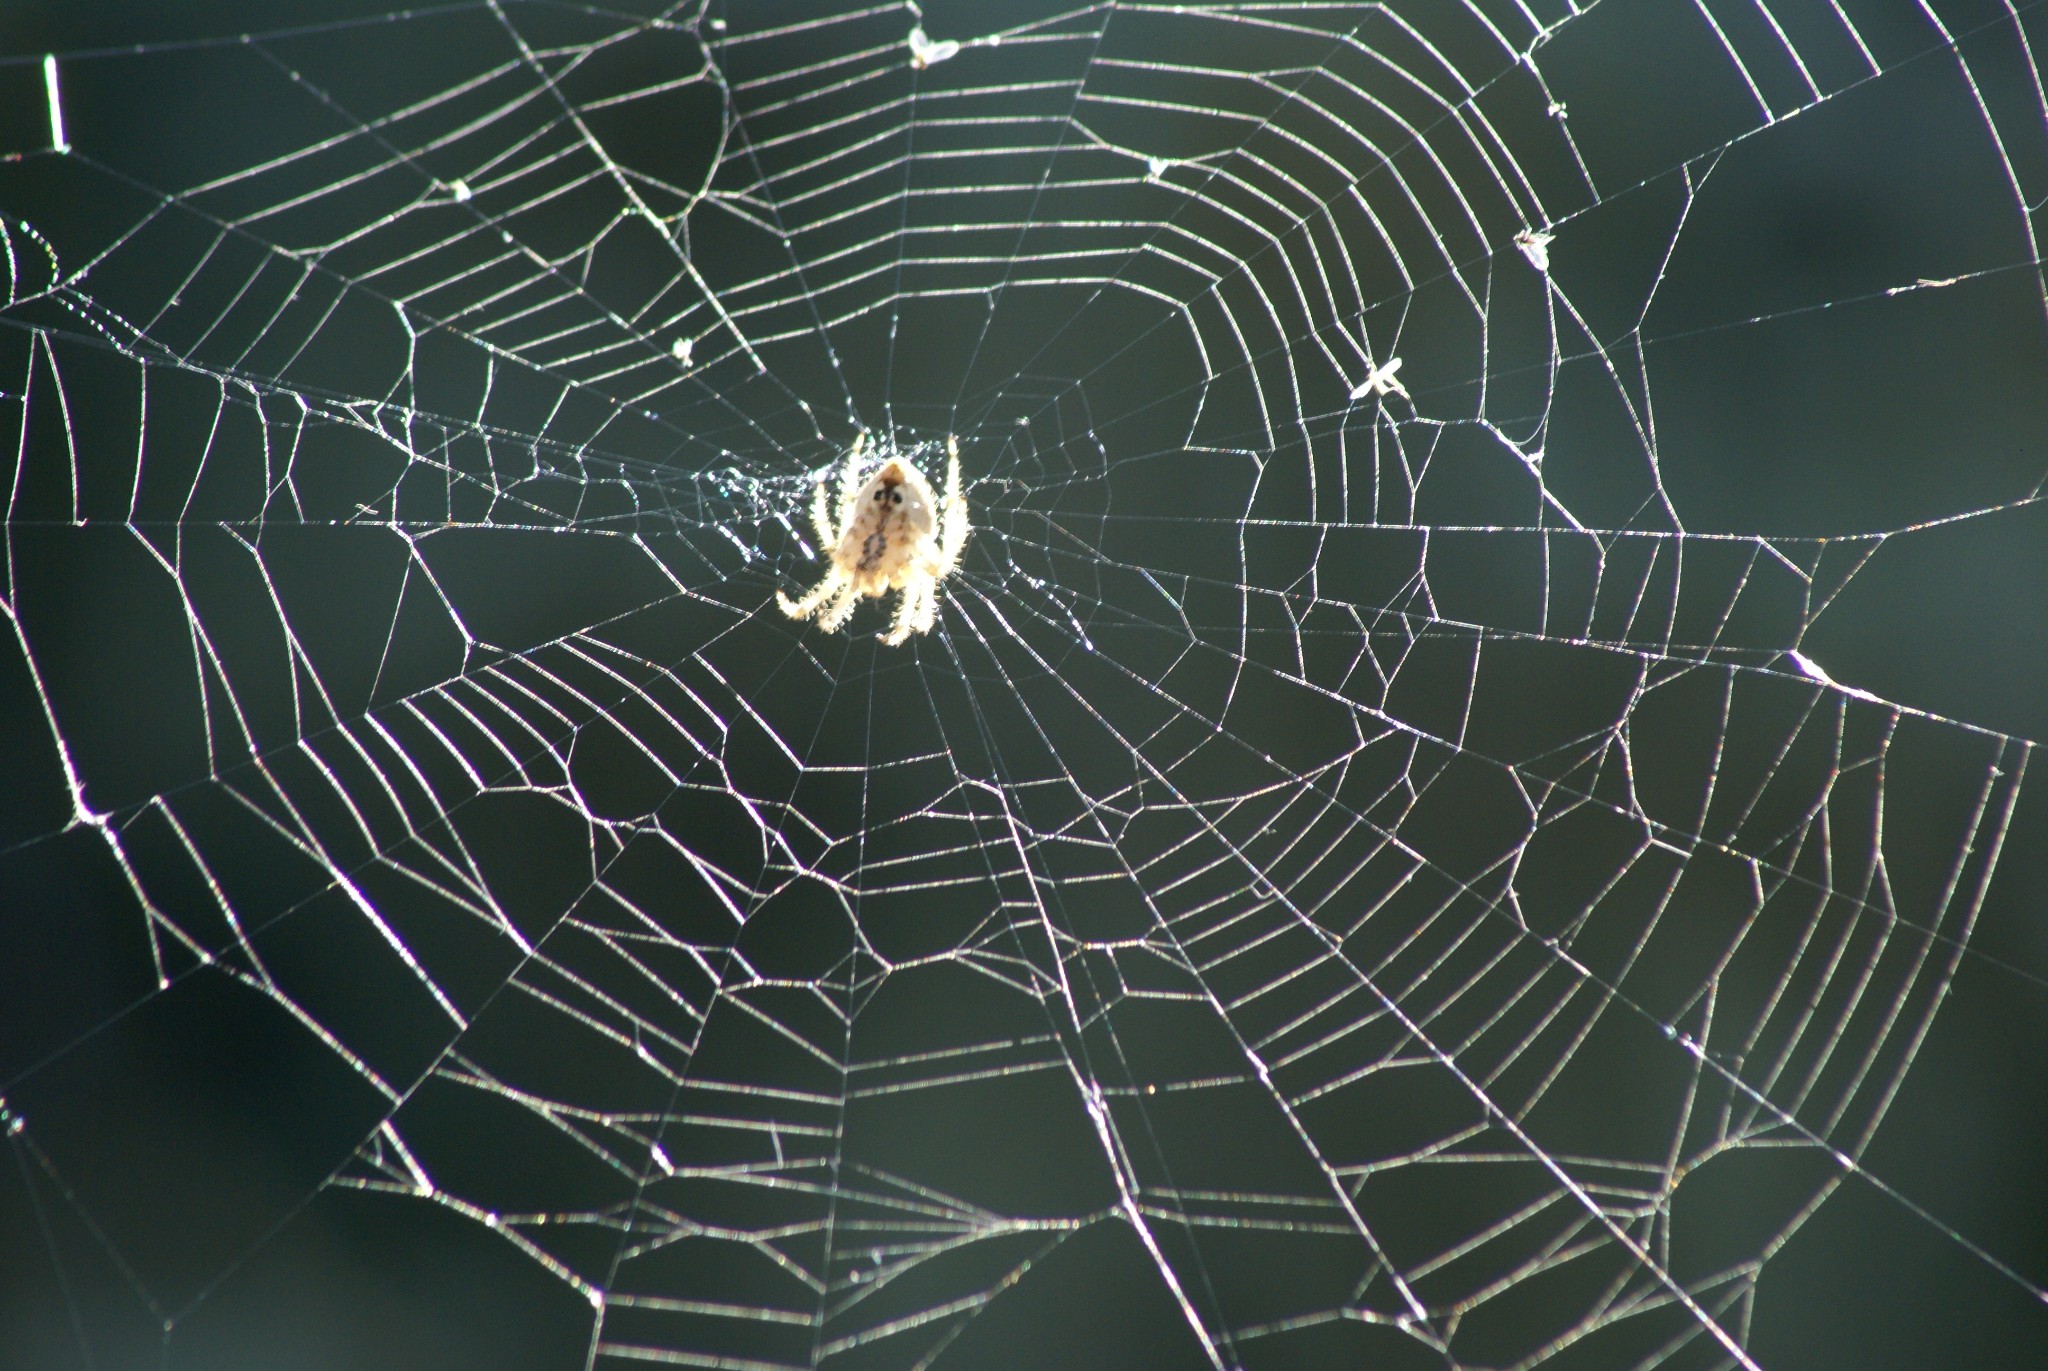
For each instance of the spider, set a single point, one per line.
(890, 534)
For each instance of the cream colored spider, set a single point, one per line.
(890, 534)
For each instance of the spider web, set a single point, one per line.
(1427, 832)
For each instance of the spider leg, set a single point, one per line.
(849, 483)
(841, 609)
(835, 581)
(905, 622)
(953, 526)
(823, 525)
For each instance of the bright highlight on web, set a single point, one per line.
(525, 806)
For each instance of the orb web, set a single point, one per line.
(1373, 865)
